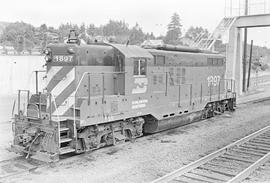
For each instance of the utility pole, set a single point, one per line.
(37, 79)
(245, 50)
(249, 66)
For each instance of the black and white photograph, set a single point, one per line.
(135, 91)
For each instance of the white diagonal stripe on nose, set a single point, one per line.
(67, 104)
(63, 84)
(52, 72)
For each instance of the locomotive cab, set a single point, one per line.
(86, 85)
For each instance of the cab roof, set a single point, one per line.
(132, 51)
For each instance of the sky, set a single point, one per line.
(151, 15)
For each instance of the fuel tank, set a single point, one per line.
(154, 126)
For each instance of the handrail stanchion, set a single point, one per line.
(234, 85)
(201, 93)
(50, 101)
(89, 88)
(39, 105)
(179, 95)
(19, 102)
(219, 90)
(226, 89)
(166, 83)
(28, 96)
(58, 124)
(116, 83)
(103, 88)
(231, 85)
(190, 93)
(74, 120)
(210, 92)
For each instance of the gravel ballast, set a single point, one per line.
(155, 155)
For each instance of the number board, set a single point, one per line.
(213, 80)
(63, 58)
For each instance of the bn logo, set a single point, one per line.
(140, 85)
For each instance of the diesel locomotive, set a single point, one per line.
(104, 94)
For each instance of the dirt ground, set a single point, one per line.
(152, 156)
(261, 175)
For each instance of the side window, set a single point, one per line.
(140, 67)
(215, 61)
(220, 61)
(119, 63)
(210, 61)
(159, 60)
(136, 68)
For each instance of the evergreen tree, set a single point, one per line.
(149, 36)
(174, 30)
(20, 44)
(92, 30)
(44, 41)
(83, 32)
(114, 28)
(136, 35)
(43, 28)
(14, 33)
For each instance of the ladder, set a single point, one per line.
(65, 139)
(223, 27)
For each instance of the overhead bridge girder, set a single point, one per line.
(235, 45)
(262, 20)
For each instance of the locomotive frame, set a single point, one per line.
(105, 94)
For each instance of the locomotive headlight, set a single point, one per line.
(47, 59)
(71, 50)
(47, 51)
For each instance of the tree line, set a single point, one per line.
(24, 36)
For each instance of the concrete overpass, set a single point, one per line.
(235, 45)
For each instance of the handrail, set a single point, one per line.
(76, 90)
(19, 99)
(58, 124)
(231, 82)
(55, 107)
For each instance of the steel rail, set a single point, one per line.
(244, 174)
(16, 166)
(179, 172)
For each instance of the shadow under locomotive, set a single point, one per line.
(104, 94)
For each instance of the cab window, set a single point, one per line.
(159, 60)
(139, 67)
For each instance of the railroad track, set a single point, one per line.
(232, 163)
(20, 165)
(15, 166)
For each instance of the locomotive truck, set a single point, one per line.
(104, 94)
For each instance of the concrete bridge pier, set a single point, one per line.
(235, 46)
(234, 64)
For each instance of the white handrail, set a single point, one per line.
(74, 113)
(58, 124)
